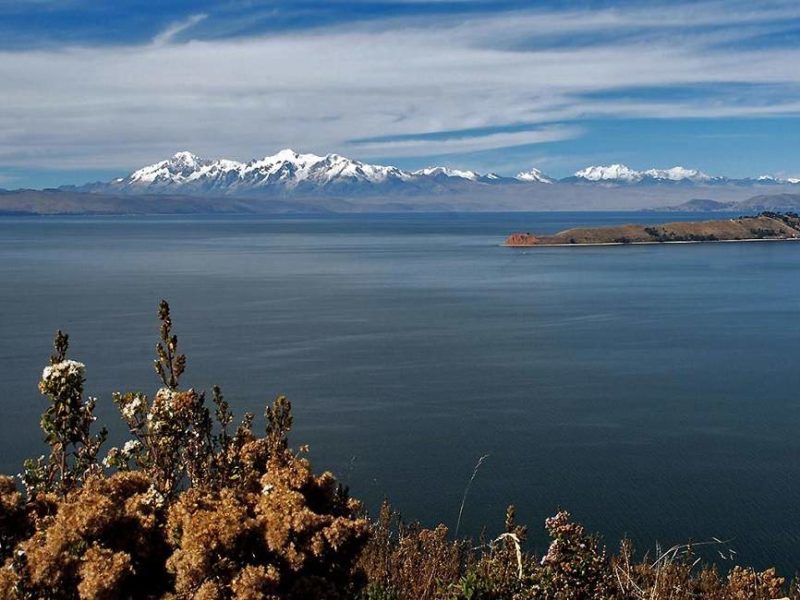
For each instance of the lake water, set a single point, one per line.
(654, 391)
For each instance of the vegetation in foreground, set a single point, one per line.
(191, 507)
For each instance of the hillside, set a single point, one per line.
(765, 226)
(61, 202)
(780, 202)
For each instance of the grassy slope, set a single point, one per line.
(743, 228)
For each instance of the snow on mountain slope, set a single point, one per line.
(534, 176)
(287, 168)
(288, 171)
(285, 171)
(446, 172)
(678, 174)
(618, 173)
(615, 172)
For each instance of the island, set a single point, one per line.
(762, 227)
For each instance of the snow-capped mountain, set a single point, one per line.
(534, 176)
(618, 173)
(446, 172)
(679, 174)
(771, 179)
(286, 171)
(615, 173)
(289, 171)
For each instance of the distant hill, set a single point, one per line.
(785, 202)
(60, 202)
(765, 226)
(700, 205)
(772, 202)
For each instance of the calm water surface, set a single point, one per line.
(654, 391)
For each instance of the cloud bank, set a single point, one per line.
(394, 87)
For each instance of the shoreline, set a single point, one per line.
(654, 243)
(764, 227)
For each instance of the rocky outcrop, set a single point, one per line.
(521, 239)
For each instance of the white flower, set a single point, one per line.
(267, 488)
(131, 408)
(153, 497)
(109, 459)
(166, 395)
(131, 446)
(63, 369)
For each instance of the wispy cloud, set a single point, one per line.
(173, 31)
(466, 143)
(525, 77)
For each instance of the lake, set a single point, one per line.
(654, 391)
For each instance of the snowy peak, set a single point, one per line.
(289, 171)
(447, 172)
(181, 166)
(285, 170)
(185, 160)
(618, 173)
(534, 176)
(771, 179)
(677, 174)
(615, 172)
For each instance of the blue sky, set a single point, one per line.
(90, 90)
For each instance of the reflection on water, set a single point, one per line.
(651, 390)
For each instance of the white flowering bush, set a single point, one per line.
(66, 423)
(185, 508)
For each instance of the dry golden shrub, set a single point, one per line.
(297, 537)
(103, 573)
(408, 561)
(15, 521)
(105, 536)
(745, 583)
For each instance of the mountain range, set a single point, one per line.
(290, 182)
(289, 172)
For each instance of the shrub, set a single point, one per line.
(185, 509)
(189, 509)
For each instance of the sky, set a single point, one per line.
(93, 90)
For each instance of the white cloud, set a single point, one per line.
(470, 143)
(170, 33)
(118, 107)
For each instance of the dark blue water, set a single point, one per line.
(652, 390)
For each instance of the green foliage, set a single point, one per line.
(375, 591)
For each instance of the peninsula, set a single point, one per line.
(764, 226)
